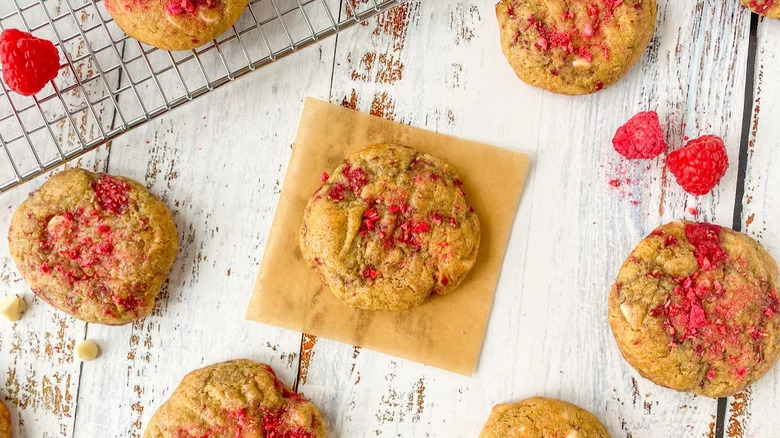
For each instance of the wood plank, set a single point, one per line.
(218, 164)
(753, 413)
(441, 67)
(40, 375)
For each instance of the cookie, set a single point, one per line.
(175, 24)
(389, 228)
(540, 417)
(769, 8)
(238, 398)
(574, 47)
(5, 422)
(695, 308)
(96, 246)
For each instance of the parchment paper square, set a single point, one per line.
(448, 331)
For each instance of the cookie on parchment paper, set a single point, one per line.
(389, 228)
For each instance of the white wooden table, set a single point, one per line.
(218, 163)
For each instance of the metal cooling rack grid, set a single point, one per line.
(110, 83)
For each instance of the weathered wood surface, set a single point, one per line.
(754, 413)
(218, 163)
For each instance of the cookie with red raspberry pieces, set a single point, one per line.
(29, 63)
(96, 246)
(389, 228)
(175, 24)
(238, 398)
(5, 422)
(641, 137)
(574, 47)
(541, 417)
(695, 308)
(699, 166)
(767, 8)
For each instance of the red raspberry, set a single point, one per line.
(28, 62)
(699, 165)
(640, 137)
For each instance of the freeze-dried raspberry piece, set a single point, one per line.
(28, 62)
(641, 137)
(700, 165)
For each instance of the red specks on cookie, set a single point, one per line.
(111, 193)
(356, 177)
(181, 7)
(336, 193)
(706, 241)
(670, 240)
(370, 218)
(369, 272)
(761, 6)
(444, 281)
(130, 303)
(275, 426)
(324, 177)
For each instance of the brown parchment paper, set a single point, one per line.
(446, 332)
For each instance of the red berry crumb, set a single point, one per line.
(28, 62)
(641, 137)
(369, 272)
(699, 166)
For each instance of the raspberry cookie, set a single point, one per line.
(539, 417)
(5, 422)
(239, 398)
(695, 308)
(574, 47)
(96, 246)
(769, 8)
(389, 228)
(175, 24)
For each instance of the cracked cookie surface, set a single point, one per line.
(389, 228)
(238, 398)
(96, 246)
(175, 24)
(540, 417)
(695, 308)
(574, 46)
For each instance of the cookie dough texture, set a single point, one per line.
(574, 47)
(96, 246)
(768, 8)
(695, 308)
(389, 228)
(540, 417)
(175, 24)
(5, 422)
(239, 398)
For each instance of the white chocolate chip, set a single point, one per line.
(173, 20)
(581, 64)
(12, 307)
(87, 350)
(209, 15)
(627, 313)
(573, 434)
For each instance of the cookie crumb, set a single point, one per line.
(12, 307)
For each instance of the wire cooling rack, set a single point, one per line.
(110, 83)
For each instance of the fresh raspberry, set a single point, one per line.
(28, 62)
(699, 165)
(640, 137)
